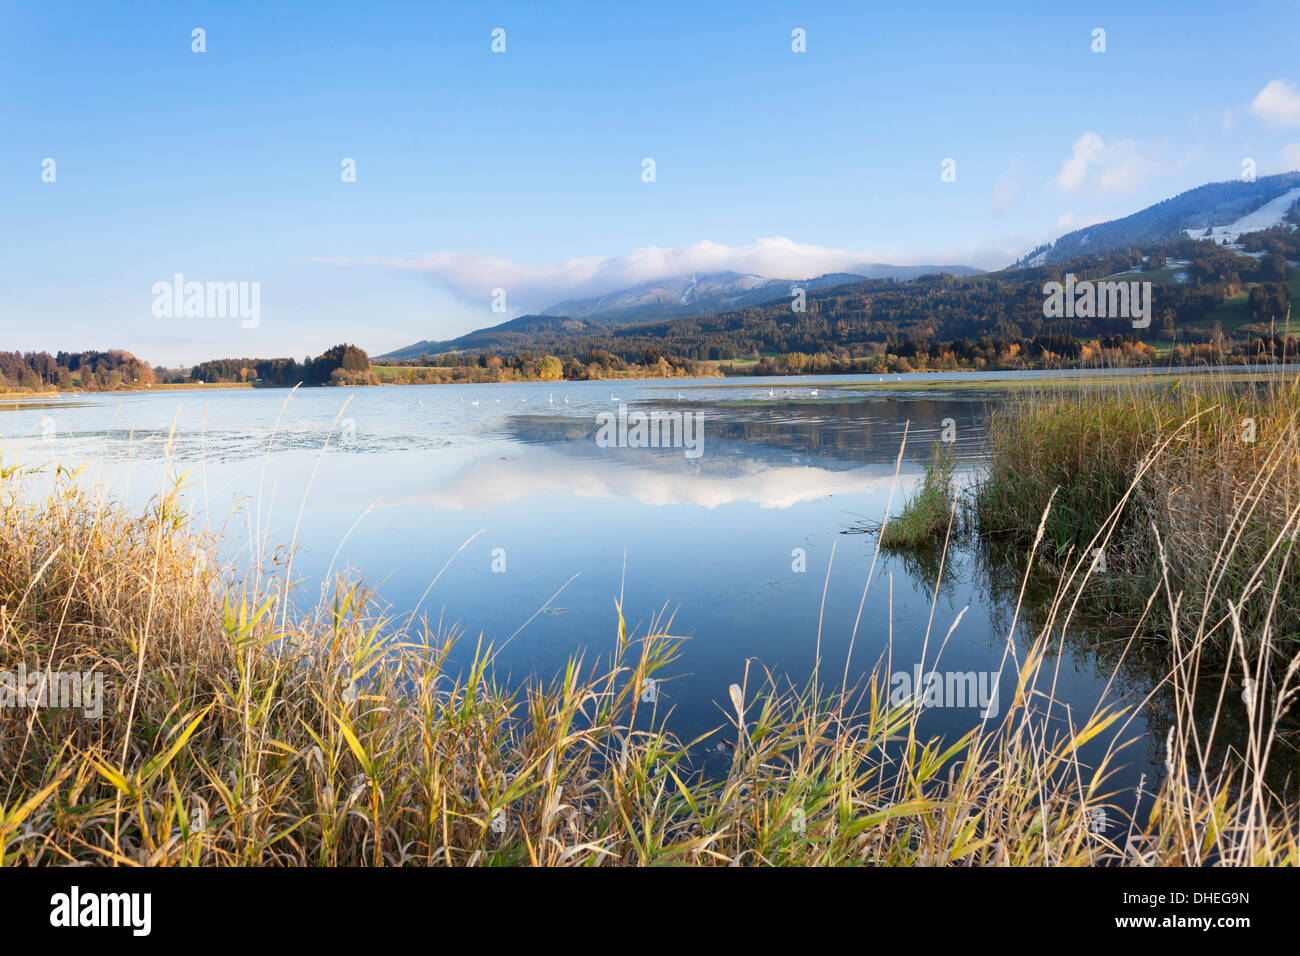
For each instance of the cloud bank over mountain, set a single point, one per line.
(473, 276)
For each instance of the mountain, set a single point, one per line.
(1225, 209)
(660, 300)
(685, 296)
(505, 335)
(672, 298)
(728, 314)
(1217, 303)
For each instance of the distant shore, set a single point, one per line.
(20, 395)
(913, 380)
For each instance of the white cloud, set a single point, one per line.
(1278, 104)
(473, 276)
(1113, 168)
(1291, 156)
(1075, 169)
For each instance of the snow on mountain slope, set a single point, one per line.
(1266, 216)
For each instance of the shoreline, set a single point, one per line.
(179, 387)
(934, 379)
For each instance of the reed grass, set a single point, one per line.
(1193, 487)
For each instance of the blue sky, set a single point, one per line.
(523, 170)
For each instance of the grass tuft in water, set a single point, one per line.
(930, 514)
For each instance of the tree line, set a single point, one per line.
(89, 371)
(340, 365)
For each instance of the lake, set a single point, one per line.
(749, 535)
